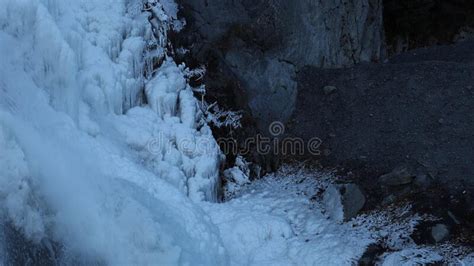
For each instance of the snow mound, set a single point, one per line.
(413, 256)
(275, 221)
(283, 219)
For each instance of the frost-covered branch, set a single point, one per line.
(158, 20)
(161, 23)
(197, 73)
(214, 115)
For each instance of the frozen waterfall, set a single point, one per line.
(88, 172)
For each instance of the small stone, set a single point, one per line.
(439, 232)
(389, 200)
(329, 90)
(398, 177)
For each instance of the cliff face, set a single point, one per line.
(263, 43)
(305, 32)
(414, 112)
(329, 33)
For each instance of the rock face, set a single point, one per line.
(268, 83)
(263, 43)
(416, 111)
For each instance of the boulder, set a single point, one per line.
(440, 232)
(329, 90)
(398, 177)
(343, 202)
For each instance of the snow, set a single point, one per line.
(283, 219)
(415, 256)
(94, 205)
(273, 221)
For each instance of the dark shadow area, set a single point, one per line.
(419, 23)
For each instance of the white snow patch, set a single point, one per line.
(411, 256)
(274, 221)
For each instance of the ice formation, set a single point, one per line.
(87, 170)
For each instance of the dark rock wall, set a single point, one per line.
(304, 32)
(415, 112)
(261, 44)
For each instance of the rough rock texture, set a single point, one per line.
(263, 43)
(269, 85)
(304, 32)
(417, 111)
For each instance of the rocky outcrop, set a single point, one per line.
(305, 32)
(268, 83)
(263, 43)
